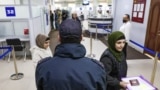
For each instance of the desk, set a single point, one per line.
(3, 40)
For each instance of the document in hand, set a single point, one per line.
(138, 83)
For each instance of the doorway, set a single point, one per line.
(153, 29)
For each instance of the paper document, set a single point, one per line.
(138, 83)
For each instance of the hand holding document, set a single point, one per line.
(138, 83)
(123, 84)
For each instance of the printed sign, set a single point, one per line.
(10, 11)
(138, 10)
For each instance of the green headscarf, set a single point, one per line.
(113, 37)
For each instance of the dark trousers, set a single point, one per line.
(51, 22)
(56, 25)
(125, 49)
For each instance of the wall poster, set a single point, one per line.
(138, 10)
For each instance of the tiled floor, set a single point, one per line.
(7, 69)
(135, 68)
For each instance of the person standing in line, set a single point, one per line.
(75, 17)
(82, 16)
(114, 61)
(57, 18)
(51, 19)
(64, 15)
(41, 50)
(108, 14)
(69, 69)
(125, 28)
(99, 14)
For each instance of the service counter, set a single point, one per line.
(100, 25)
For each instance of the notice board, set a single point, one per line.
(138, 10)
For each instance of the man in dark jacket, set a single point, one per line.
(69, 69)
(64, 15)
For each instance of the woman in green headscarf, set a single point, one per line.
(114, 61)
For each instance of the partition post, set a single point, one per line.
(91, 55)
(154, 68)
(155, 60)
(17, 75)
(96, 31)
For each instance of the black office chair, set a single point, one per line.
(18, 46)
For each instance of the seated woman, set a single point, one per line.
(42, 49)
(114, 61)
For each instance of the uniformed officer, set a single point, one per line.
(69, 69)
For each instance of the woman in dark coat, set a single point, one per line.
(115, 62)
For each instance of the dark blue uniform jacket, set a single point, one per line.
(70, 70)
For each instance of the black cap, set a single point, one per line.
(70, 28)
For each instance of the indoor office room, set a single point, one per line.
(26, 19)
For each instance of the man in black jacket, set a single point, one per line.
(69, 69)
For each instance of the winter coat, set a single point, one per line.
(69, 69)
(115, 69)
(40, 53)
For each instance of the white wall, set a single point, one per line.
(138, 31)
(36, 11)
(38, 2)
(35, 2)
(20, 11)
(19, 26)
(37, 26)
(122, 7)
(17, 2)
(2, 2)
(6, 28)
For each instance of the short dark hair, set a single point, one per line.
(70, 39)
(128, 16)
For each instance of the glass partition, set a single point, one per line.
(6, 28)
